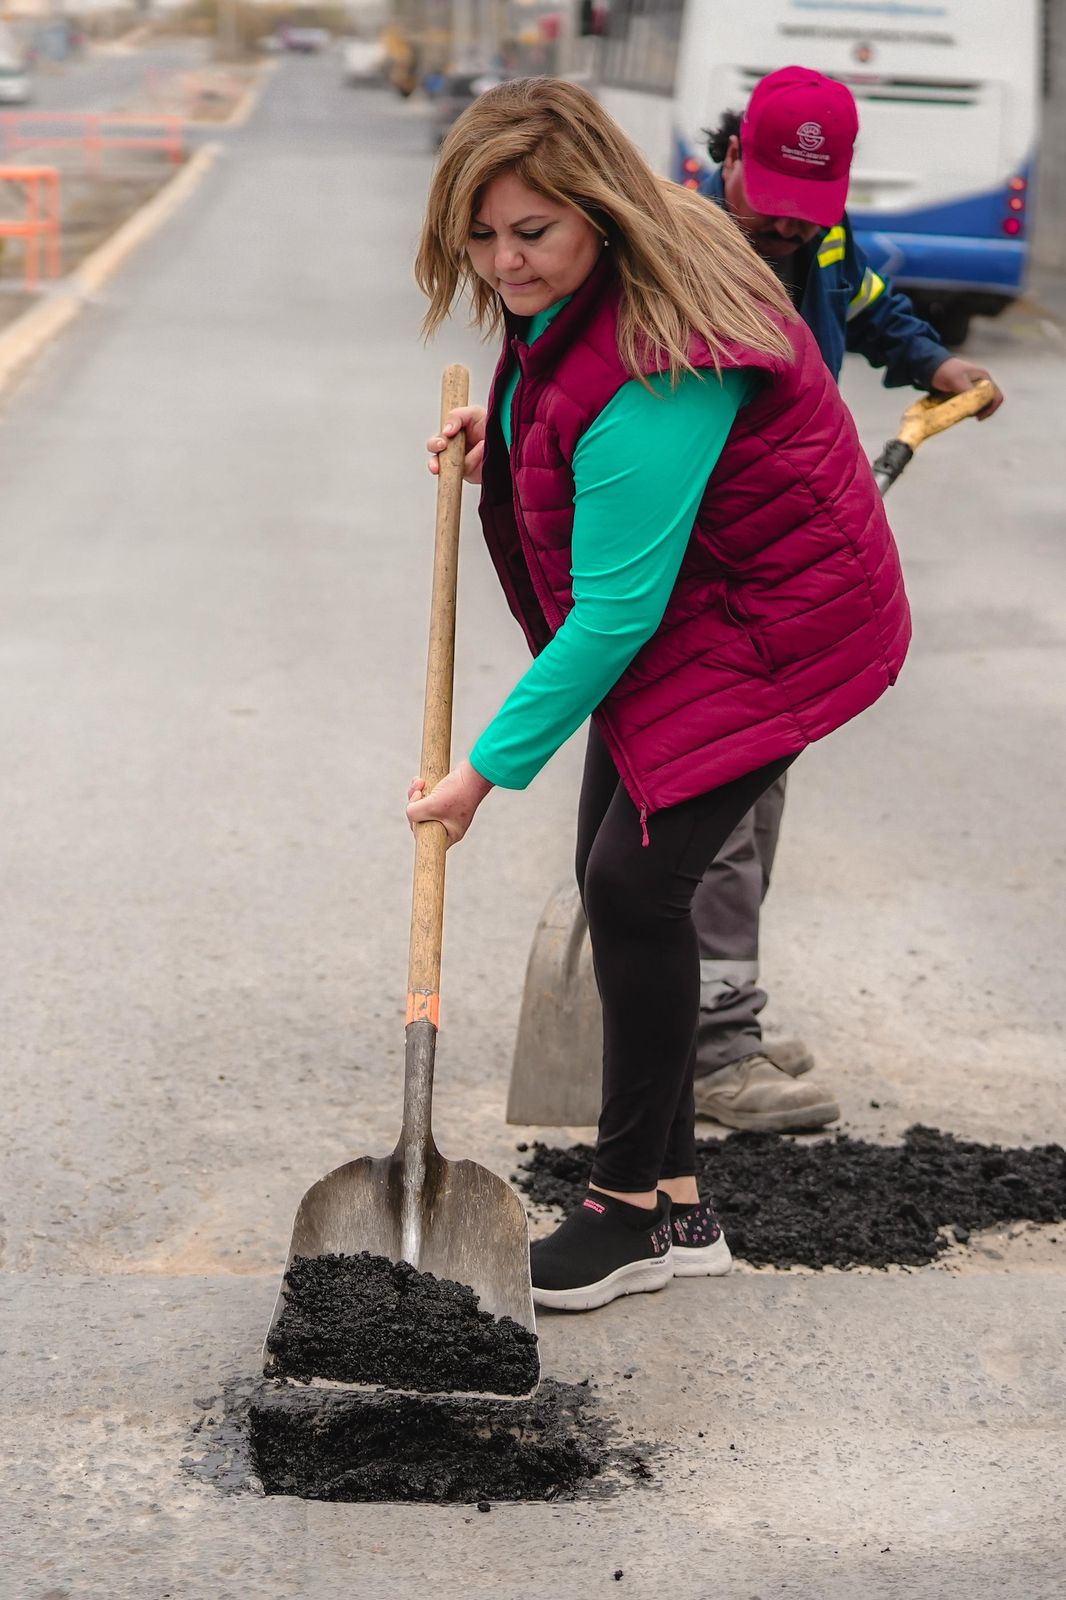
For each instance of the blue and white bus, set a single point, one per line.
(948, 93)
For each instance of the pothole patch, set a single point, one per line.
(275, 1437)
(334, 1446)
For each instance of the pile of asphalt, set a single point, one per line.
(843, 1202)
(365, 1319)
(331, 1445)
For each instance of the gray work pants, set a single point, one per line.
(726, 913)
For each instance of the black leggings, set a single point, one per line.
(638, 902)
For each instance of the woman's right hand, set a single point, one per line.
(472, 418)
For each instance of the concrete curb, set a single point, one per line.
(249, 99)
(247, 103)
(29, 334)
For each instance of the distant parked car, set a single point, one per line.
(306, 41)
(459, 90)
(15, 86)
(365, 61)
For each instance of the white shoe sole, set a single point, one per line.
(709, 1261)
(636, 1277)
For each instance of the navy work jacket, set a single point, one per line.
(848, 306)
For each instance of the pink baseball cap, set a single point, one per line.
(796, 141)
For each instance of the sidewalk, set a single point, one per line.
(215, 563)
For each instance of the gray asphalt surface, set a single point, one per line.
(214, 562)
(106, 79)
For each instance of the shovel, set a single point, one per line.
(454, 1219)
(921, 420)
(558, 1060)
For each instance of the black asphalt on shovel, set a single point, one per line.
(454, 1219)
(558, 1059)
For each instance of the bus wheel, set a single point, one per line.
(953, 325)
(950, 318)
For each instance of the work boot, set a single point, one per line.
(699, 1247)
(758, 1097)
(791, 1055)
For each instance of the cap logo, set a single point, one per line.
(808, 146)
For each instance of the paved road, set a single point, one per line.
(107, 80)
(214, 556)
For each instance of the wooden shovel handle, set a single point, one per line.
(932, 414)
(431, 839)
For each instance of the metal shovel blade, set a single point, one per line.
(557, 1071)
(469, 1224)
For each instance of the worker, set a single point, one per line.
(669, 476)
(782, 171)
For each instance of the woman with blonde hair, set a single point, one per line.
(686, 529)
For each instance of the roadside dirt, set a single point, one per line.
(211, 93)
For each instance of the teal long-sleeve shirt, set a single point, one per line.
(640, 472)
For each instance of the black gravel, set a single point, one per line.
(328, 1445)
(844, 1202)
(365, 1319)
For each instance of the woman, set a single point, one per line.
(684, 524)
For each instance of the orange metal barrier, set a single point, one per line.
(42, 220)
(92, 130)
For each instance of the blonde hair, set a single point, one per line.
(685, 268)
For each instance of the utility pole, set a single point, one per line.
(463, 25)
(491, 31)
(227, 39)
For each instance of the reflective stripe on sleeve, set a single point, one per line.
(872, 286)
(832, 247)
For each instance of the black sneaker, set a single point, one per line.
(699, 1247)
(604, 1249)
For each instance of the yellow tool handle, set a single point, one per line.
(932, 414)
(431, 839)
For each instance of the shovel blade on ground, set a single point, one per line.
(557, 1069)
(473, 1228)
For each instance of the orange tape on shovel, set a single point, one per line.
(423, 1007)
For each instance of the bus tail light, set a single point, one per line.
(1012, 222)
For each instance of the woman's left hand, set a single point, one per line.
(453, 802)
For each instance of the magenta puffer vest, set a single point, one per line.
(788, 616)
